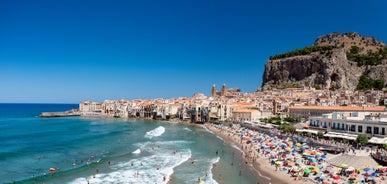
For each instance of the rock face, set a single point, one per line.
(325, 69)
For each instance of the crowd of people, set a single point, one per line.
(297, 158)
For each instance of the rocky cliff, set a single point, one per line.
(338, 66)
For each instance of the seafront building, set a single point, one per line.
(308, 111)
(234, 105)
(350, 124)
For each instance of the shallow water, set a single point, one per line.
(138, 151)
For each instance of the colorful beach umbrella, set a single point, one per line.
(344, 165)
(337, 177)
(350, 169)
(369, 170)
(307, 171)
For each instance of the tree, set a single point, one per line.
(320, 134)
(354, 50)
(289, 119)
(385, 146)
(379, 84)
(362, 139)
(309, 134)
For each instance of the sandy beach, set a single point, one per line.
(260, 166)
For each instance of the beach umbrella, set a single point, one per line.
(307, 171)
(323, 156)
(283, 145)
(344, 165)
(278, 162)
(314, 168)
(350, 169)
(380, 167)
(337, 177)
(288, 149)
(298, 144)
(314, 160)
(367, 169)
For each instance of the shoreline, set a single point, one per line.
(259, 166)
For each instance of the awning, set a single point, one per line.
(376, 140)
(341, 135)
(307, 131)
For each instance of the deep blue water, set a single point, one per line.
(78, 147)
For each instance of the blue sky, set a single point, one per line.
(71, 51)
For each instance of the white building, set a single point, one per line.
(368, 123)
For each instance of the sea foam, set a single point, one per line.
(155, 132)
(138, 151)
(210, 175)
(150, 169)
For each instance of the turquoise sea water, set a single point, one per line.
(81, 148)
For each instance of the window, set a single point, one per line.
(359, 128)
(383, 131)
(353, 128)
(376, 130)
(334, 126)
(369, 129)
(342, 126)
(325, 124)
(346, 127)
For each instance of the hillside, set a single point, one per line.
(334, 61)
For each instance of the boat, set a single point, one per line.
(380, 158)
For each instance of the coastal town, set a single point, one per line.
(330, 120)
(338, 114)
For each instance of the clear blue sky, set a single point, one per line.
(69, 51)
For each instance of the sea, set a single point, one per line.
(81, 150)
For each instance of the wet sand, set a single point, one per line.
(261, 166)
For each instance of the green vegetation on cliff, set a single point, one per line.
(366, 83)
(303, 51)
(367, 59)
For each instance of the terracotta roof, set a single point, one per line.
(243, 111)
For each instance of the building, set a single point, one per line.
(213, 91)
(338, 124)
(246, 115)
(90, 107)
(308, 111)
(225, 92)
